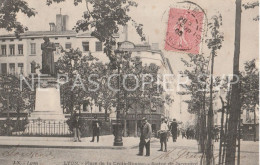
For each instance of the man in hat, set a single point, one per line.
(146, 132)
(163, 135)
(95, 129)
(174, 130)
(76, 128)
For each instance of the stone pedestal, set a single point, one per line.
(48, 117)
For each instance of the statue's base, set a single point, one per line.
(47, 128)
(47, 115)
(47, 118)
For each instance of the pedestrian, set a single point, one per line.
(174, 130)
(95, 129)
(76, 128)
(188, 133)
(163, 135)
(145, 138)
(216, 134)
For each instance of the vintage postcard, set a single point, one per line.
(129, 82)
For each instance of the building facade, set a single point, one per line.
(22, 55)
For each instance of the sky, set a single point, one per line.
(153, 14)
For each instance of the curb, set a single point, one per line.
(64, 147)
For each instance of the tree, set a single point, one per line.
(198, 74)
(213, 44)
(13, 98)
(251, 5)
(75, 66)
(8, 15)
(250, 89)
(131, 91)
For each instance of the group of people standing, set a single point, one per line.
(146, 132)
(164, 133)
(77, 124)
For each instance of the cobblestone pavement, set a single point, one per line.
(181, 152)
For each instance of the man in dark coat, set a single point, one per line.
(76, 128)
(174, 130)
(95, 129)
(146, 132)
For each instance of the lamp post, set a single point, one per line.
(118, 141)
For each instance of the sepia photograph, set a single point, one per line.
(129, 82)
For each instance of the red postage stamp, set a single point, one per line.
(184, 30)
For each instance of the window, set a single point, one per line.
(85, 46)
(32, 38)
(67, 45)
(57, 45)
(33, 67)
(3, 68)
(68, 38)
(98, 46)
(20, 49)
(33, 48)
(3, 48)
(12, 68)
(20, 68)
(56, 38)
(12, 51)
(20, 39)
(11, 40)
(85, 105)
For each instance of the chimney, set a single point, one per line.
(52, 26)
(59, 22)
(62, 22)
(125, 33)
(65, 19)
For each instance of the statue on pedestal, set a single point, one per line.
(48, 57)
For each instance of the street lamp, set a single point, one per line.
(118, 141)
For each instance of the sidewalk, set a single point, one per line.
(105, 142)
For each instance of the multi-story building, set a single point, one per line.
(22, 55)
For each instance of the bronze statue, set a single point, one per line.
(48, 57)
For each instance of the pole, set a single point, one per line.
(221, 130)
(235, 95)
(63, 95)
(254, 125)
(118, 134)
(209, 155)
(8, 114)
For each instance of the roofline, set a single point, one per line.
(23, 36)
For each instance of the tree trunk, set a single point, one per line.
(125, 112)
(235, 95)
(135, 123)
(254, 125)
(106, 113)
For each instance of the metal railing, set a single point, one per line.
(43, 128)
